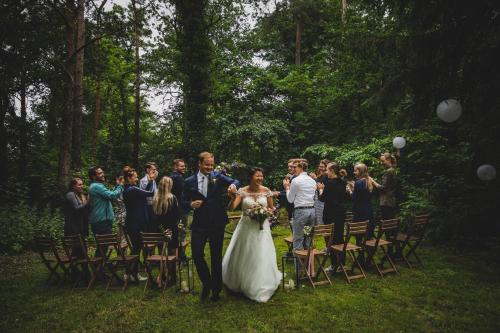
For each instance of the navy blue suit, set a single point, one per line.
(209, 221)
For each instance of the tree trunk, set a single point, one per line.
(67, 115)
(298, 39)
(196, 52)
(137, 85)
(78, 89)
(23, 130)
(4, 106)
(97, 116)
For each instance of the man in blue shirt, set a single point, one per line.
(101, 211)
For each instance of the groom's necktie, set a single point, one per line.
(204, 185)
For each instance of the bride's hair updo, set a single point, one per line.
(253, 171)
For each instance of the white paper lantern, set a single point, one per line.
(449, 110)
(399, 142)
(486, 172)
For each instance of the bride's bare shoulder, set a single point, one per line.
(264, 189)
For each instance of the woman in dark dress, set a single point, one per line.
(166, 217)
(388, 187)
(76, 210)
(333, 194)
(320, 177)
(361, 192)
(137, 214)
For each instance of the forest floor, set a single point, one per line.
(455, 291)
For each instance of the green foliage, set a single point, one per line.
(19, 223)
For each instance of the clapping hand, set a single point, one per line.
(320, 186)
(120, 180)
(232, 190)
(286, 183)
(152, 174)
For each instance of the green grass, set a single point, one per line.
(453, 292)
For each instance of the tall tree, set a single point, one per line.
(137, 19)
(195, 64)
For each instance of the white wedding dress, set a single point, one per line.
(249, 264)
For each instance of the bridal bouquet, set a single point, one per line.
(258, 213)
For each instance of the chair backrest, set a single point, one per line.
(75, 241)
(105, 241)
(152, 240)
(389, 228)
(419, 225)
(348, 217)
(46, 246)
(357, 229)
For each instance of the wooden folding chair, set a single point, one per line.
(360, 231)
(289, 243)
(151, 241)
(47, 248)
(82, 264)
(389, 230)
(412, 239)
(130, 263)
(311, 259)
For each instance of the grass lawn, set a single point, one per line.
(453, 292)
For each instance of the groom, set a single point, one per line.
(205, 192)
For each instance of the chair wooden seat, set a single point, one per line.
(347, 250)
(385, 237)
(130, 263)
(349, 247)
(412, 240)
(158, 257)
(53, 260)
(312, 260)
(125, 258)
(303, 253)
(83, 262)
(382, 242)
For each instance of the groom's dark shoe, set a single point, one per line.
(205, 292)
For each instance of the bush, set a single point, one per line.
(19, 223)
(433, 175)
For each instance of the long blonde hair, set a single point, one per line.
(363, 174)
(163, 198)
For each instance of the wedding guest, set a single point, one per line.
(320, 177)
(290, 175)
(134, 199)
(121, 213)
(177, 175)
(333, 194)
(300, 192)
(76, 213)
(361, 192)
(166, 217)
(388, 187)
(101, 210)
(151, 168)
(75, 210)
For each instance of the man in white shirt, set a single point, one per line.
(301, 193)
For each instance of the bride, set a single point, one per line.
(249, 265)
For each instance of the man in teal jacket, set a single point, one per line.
(101, 211)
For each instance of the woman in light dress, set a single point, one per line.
(249, 264)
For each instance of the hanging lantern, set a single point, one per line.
(449, 110)
(486, 172)
(399, 142)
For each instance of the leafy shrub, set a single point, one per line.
(19, 223)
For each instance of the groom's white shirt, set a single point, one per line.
(302, 190)
(202, 183)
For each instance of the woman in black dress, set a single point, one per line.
(333, 194)
(165, 217)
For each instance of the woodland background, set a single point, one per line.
(255, 82)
